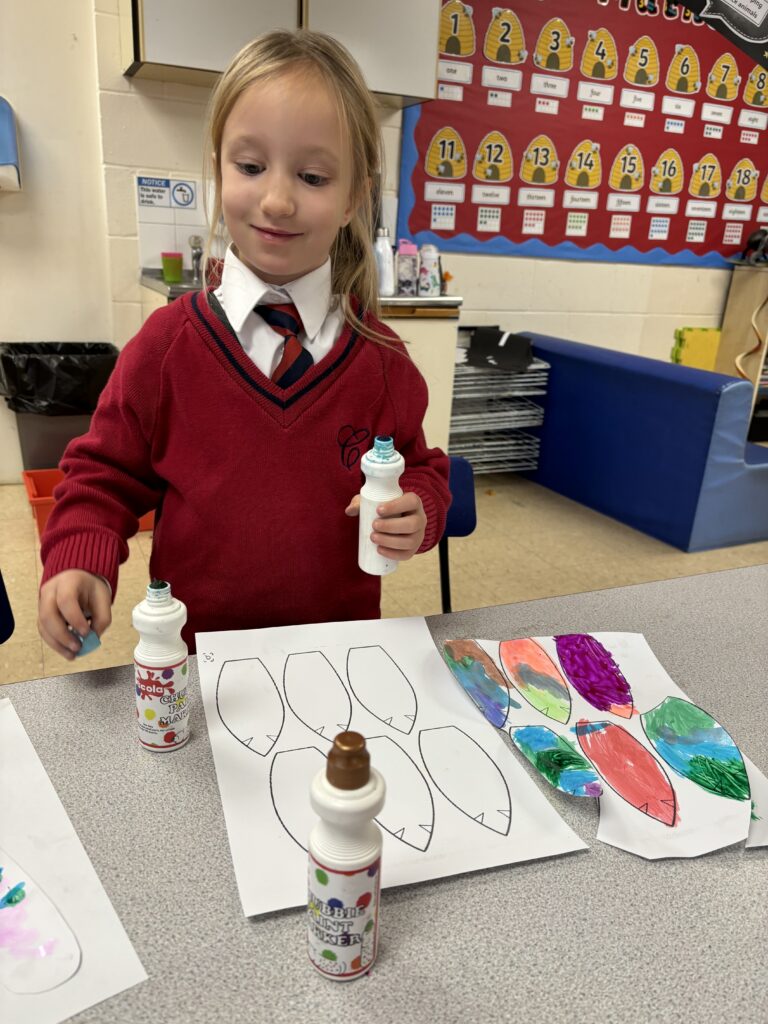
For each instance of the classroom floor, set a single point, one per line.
(529, 543)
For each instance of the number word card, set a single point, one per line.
(453, 71)
(443, 192)
(486, 194)
(504, 78)
(543, 85)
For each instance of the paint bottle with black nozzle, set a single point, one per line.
(161, 670)
(383, 467)
(345, 862)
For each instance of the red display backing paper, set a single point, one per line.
(587, 130)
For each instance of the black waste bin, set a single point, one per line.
(53, 387)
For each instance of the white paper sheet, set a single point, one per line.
(702, 821)
(65, 910)
(758, 822)
(457, 800)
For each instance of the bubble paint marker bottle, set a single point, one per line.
(161, 671)
(345, 862)
(382, 467)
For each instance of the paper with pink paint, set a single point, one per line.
(674, 782)
(62, 947)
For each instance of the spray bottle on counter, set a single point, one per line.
(345, 862)
(382, 467)
(161, 671)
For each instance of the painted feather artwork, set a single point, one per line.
(629, 769)
(594, 674)
(481, 679)
(670, 779)
(536, 677)
(557, 759)
(696, 747)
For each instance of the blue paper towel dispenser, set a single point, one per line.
(10, 176)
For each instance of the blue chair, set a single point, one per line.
(460, 521)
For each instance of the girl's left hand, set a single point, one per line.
(399, 530)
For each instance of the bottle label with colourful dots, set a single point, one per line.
(342, 919)
(162, 705)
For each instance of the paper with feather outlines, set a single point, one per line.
(430, 831)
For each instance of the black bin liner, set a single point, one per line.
(55, 378)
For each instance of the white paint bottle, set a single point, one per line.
(161, 670)
(345, 862)
(383, 467)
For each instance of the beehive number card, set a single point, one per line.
(618, 130)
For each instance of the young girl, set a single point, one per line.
(241, 413)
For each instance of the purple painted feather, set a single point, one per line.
(594, 674)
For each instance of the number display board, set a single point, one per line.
(744, 22)
(618, 130)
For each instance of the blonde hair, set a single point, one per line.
(353, 269)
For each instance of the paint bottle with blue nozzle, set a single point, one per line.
(161, 670)
(383, 467)
(345, 862)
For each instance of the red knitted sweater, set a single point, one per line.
(250, 481)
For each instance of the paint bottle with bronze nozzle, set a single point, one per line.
(345, 862)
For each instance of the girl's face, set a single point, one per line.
(285, 176)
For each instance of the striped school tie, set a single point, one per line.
(295, 360)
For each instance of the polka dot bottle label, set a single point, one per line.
(162, 707)
(342, 919)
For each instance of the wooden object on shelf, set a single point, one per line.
(431, 334)
(748, 290)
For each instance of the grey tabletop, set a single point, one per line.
(596, 936)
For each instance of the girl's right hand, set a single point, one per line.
(66, 599)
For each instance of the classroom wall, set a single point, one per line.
(620, 306)
(72, 233)
(54, 282)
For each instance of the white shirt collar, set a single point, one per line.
(241, 290)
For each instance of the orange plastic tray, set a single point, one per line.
(40, 484)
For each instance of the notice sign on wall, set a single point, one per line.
(587, 129)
